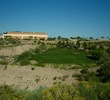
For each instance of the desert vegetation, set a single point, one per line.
(73, 70)
(81, 91)
(55, 56)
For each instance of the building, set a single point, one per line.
(26, 35)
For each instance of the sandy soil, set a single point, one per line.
(11, 51)
(23, 77)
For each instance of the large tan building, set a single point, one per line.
(26, 35)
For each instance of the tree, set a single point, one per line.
(71, 38)
(90, 38)
(102, 37)
(78, 37)
(59, 37)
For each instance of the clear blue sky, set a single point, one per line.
(66, 18)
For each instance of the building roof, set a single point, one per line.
(28, 33)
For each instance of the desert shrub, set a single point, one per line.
(2, 42)
(9, 93)
(87, 92)
(37, 50)
(84, 71)
(65, 76)
(85, 45)
(58, 92)
(42, 48)
(59, 44)
(14, 41)
(94, 90)
(101, 47)
(62, 92)
(87, 75)
(84, 75)
(55, 78)
(80, 77)
(102, 90)
(35, 95)
(24, 62)
(108, 50)
(40, 64)
(56, 66)
(77, 44)
(81, 91)
(103, 73)
(32, 68)
(3, 62)
(24, 55)
(24, 58)
(95, 54)
(37, 80)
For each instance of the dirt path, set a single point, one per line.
(30, 77)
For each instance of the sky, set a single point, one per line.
(65, 18)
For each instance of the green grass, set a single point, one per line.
(63, 56)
